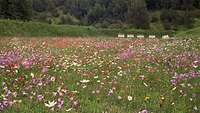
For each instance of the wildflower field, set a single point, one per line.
(93, 75)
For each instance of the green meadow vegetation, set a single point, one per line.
(13, 28)
(90, 75)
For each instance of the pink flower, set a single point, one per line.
(45, 69)
(27, 63)
(5, 104)
(126, 54)
(14, 94)
(75, 104)
(60, 103)
(184, 76)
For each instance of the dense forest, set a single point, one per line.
(104, 13)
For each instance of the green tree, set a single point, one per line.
(96, 13)
(5, 10)
(196, 4)
(24, 9)
(40, 5)
(16, 9)
(0, 9)
(118, 9)
(153, 4)
(138, 14)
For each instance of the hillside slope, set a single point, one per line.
(36, 29)
(194, 32)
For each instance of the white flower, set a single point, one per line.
(130, 98)
(183, 85)
(17, 101)
(174, 88)
(2, 66)
(93, 92)
(97, 91)
(145, 84)
(69, 109)
(120, 73)
(84, 86)
(74, 91)
(32, 75)
(195, 108)
(195, 66)
(85, 81)
(119, 97)
(16, 71)
(50, 104)
(53, 79)
(189, 85)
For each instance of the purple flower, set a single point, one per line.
(8, 93)
(10, 58)
(110, 93)
(143, 111)
(40, 97)
(174, 82)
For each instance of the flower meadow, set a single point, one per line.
(93, 75)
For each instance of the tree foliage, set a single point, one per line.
(136, 13)
(16, 9)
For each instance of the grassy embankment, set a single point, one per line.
(10, 28)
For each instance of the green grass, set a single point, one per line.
(12, 28)
(194, 32)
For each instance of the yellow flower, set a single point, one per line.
(146, 98)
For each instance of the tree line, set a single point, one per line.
(104, 13)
